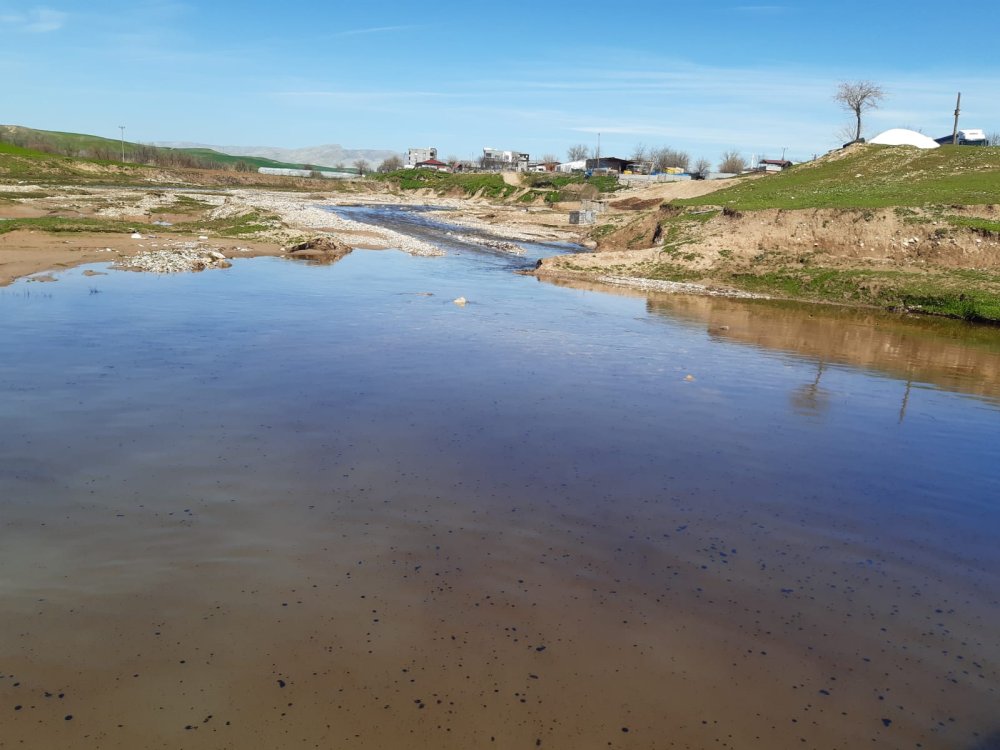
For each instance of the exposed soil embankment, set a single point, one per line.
(905, 258)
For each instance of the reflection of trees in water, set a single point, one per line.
(809, 399)
(906, 401)
(947, 354)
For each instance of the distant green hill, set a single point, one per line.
(109, 149)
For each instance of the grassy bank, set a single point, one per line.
(549, 187)
(966, 294)
(243, 226)
(872, 177)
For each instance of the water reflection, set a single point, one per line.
(947, 354)
(280, 506)
(810, 399)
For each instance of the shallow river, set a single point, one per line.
(286, 506)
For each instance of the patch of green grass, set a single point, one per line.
(488, 185)
(680, 229)
(183, 204)
(60, 225)
(664, 271)
(492, 185)
(242, 226)
(983, 226)
(14, 195)
(973, 296)
(245, 225)
(872, 177)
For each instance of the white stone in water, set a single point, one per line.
(461, 301)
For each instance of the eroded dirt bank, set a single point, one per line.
(832, 255)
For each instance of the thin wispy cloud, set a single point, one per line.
(314, 96)
(35, 21)
(372, 30)
(761, 10)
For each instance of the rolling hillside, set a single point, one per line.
(109, 149)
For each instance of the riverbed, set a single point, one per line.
(286, 505)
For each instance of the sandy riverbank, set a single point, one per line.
(172, 219)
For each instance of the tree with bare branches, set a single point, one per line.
(391, 164)
(858, 96)
(576, 152)
(732, 162)
(702, 167)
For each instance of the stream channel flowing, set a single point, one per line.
(284, 505)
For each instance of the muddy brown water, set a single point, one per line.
(286, 506)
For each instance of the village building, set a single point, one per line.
(504, 161)
(416, 155)
(967, 137)
(440, 166)
(773, 165)
(609, 164)
(573, 166)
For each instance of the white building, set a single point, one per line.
(342, 175)
(416, 155)
(573, 166)
(505, 161)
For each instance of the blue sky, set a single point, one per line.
(536, 77)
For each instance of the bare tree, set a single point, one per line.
(701, 169)
(993, 139)
(664, 157)
(732, 162)
(362, 166)
(640, 153)
(391, 164)
(858, 96)
(577, 152)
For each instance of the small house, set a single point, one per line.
(608, 164)
(773, 165)
(440, 166)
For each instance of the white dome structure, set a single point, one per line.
(904, 137)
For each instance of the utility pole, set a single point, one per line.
(122, 128)
(598, 151)
(954, 133)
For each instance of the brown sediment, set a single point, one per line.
(26, 252)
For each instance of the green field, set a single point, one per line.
(872, 177)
